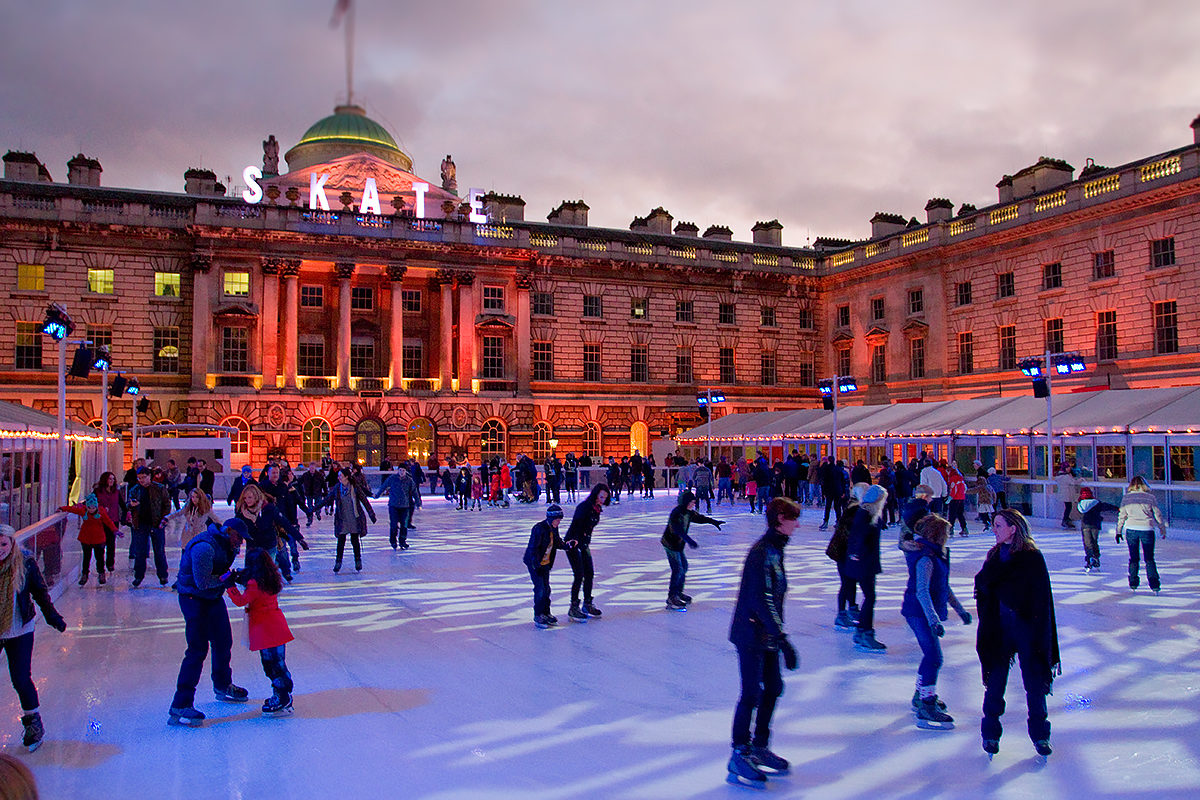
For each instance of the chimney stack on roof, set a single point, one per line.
(83, 171)
(939, 209)
(202, 182)
(884, 224)
(1042, 176)
(769, 232)
(687, 229)
(721, 232)
(1196, 130)
(570, 212)
(504, 207)
(19, 166)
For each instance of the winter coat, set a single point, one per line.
(401, 491)
(267, 527)
(1016, 607)
(702, 478)
(758, 614)
(932, 477)
(236, 486)
(153, 505)
(832, 484)
(94, 526)
(544, 541)
(190, 524)
(505, 477)
(265, 622)
(34, 590)
(862, 548)
(583, 522)
(362, 509)
(1067, 487)
(1090, 511)
(957, 487)
(114, 504)
(205, 559)
(996, 482)
(1139, 512)
(904, 483)
(928, 591)
(680, 519)
(860, 474)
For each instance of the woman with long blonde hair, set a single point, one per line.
(1137, 521)
(21, 585)
(265, 523)
(194, 517)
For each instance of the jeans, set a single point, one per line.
(20, 665)
(341, 549)
(956, 514)
(143, 538)
(679, 565)
(90, 551)
(724, 489)
(581, 564)
(762, 684)
(931, 649)
(1091, 546)
(585, 478)
(866, 616)
(282, 559)
(205, 623)
(1035, 697)
(1146, 540)
(805, 492)
(541, 589)
(398, 526)
(275, 668)
(848, 588)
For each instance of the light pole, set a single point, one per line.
(133, 390)
(58, 326)
(103, 362)
(1040, 369)
(845, 384)
(706, 401)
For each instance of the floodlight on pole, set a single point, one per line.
(1040, 369)
(845, 384)
(706, 401)
(102, 360)
(57, 324)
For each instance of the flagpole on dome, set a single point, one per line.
(343, 10)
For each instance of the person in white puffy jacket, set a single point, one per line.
(1137, 521)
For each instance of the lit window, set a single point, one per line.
(166, 349)
(166, 284)
(31, 277)
(239, 442)
(100, 281)
(638, 308)
(314, 440)
(237, 284)
(542, 434)
(29, 345)
(312, 296)
(492, 440)
(591, 439)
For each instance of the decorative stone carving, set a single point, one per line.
(289, 267)
(201, 262)
(344, 269)
(465, 278)
(524, 280)
(270, 265)
(270, 156)
(449, 175)
(444, 277)
(396, 270)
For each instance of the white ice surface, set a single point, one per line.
(423, 677)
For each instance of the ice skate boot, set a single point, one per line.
(743, 771)
(916, 701)
(591, 610)
(186, 717)
(767, 761)
(930, 717)
(278, 706)
(843, 622)
(853, 611)
(542, 621)
(686, 598)
(1043, 748)
(577, 614)
(231, 694)
(865, 642)
(34, 731)
(675, 604)
(991, 747)
(337, 566)
(83, 579)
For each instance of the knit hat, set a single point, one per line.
(685, 497)
(1086, 494)
(874, 494)
(238, 526)
(991, 470)
(554, 512)
(91, 501)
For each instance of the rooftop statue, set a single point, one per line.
(270, 156)
(449, 172)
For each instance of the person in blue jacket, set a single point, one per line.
(403, 496)
(1091, 513)
(544, 542)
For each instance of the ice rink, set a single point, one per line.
(424, 677)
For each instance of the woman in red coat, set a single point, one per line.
(94, 531)
(269, 633)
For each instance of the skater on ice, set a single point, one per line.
(863, 563)
(544, 542)
(578, 542)
(267, 627)
(1137, 521)
(674, 538)
(1091, 518)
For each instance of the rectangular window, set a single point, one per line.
(410, 301)
(766, 316)
(493, 357)
(728, 368)
(493, 299)
(879, 364)
(1008, 347)
(312, 296)
(843, 358)
(639, 308)
(236, 284)
(166, 284)
(639, 363)
(1104, 265)
(31, 277)
(166, 349)
(29, 345)
(591, 363)
(684, 310)
(1054, 336)
(962, 293)
(683, 365)
(362, 298)
(542, 361)
(767, 368)
(1162, 252)
(843, 316)
(1106, 336)
(1006, 285)
(100, 336)
(362, 359)
(727, 314)
(916, 301)
(806, 372)
(805, 318)
(310, 357)
(1052, 276)
(1166, 328)
(413, 357)
(966, 353)
(100, 281)
(878, 310)
(542, 304)
(235, 350)
(1110, 461)
(593, 306)
(916, 358)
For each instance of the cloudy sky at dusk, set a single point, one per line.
(817, 113)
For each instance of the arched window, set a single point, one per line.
(591, 439)
(314, 439)
(239, 443)
(542, 434)
(370, 442)
(165, 433)
(95, 423)
(420, 439)
(639, 438)
(493, 440)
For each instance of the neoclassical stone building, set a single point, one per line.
(411, 318)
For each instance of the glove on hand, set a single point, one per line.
(966, 617)
(302, 542)
(790, 659)
(693, 545)
(938, 629)
(1119, 538)
(58, 623)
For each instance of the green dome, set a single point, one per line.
(349, 124)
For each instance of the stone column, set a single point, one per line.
(345, 271)
(268, 327)
(524, 282)
(395, 274)
(202, 319)
(290, 269)
(445, 279)
(468, 365)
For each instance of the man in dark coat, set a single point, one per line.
(674, 538)
(544, 541)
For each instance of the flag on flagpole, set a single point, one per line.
(339, 11)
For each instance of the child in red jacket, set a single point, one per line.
(269, 631)
(93, 532)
